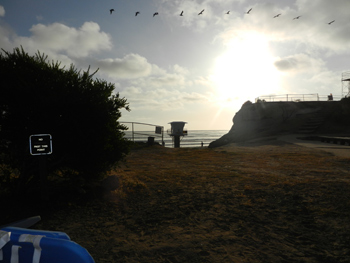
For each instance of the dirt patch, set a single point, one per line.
(264, 201)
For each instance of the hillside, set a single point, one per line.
(261, 119)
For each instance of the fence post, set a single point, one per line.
(132, 125)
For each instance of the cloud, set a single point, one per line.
(71, 41)
(130, 66)
(191, 8)
(316, 30)
(299, 63)
(180, 70)
(305, 74)
(60, 42)
(311, 29)
(171, 80)
(2, 11)
(194, 96)
(138, 72)
(324, 9)
(152, 88)
(176, 78)
(292, 63)
(161, 98)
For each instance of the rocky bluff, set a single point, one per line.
(263, 119)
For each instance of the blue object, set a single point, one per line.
(33, 246)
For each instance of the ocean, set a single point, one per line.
(194, 138)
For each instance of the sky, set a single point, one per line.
(197, 68)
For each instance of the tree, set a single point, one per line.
(81, 114)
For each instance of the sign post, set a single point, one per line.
(41, 144)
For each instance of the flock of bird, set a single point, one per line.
(228, 12)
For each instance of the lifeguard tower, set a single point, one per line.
(177, 131)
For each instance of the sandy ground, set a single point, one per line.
(336, 149)
(295, 139)
(267, 200)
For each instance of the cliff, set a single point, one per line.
(263, 119)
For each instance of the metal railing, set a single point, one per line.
(295, 97)
(158, 131)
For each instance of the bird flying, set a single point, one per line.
(137, 13)
(277, 15)
(249, 11)
(228, 12)
(331, 22)
(201, 12)
(182, 13)
(155, 14)
(111, 11)
(296, 17)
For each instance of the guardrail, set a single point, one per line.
(297, 97)
(158, 130)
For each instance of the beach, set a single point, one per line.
(263, 201)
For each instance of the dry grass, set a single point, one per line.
(258, 203)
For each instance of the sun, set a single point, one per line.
(245, 71)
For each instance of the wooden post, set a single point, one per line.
(43, 176)
(176, 141)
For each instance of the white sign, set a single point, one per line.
(40, 144)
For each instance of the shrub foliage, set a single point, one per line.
(80, 112)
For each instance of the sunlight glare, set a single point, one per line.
(245, 71)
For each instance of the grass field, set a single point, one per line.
(269, 202)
